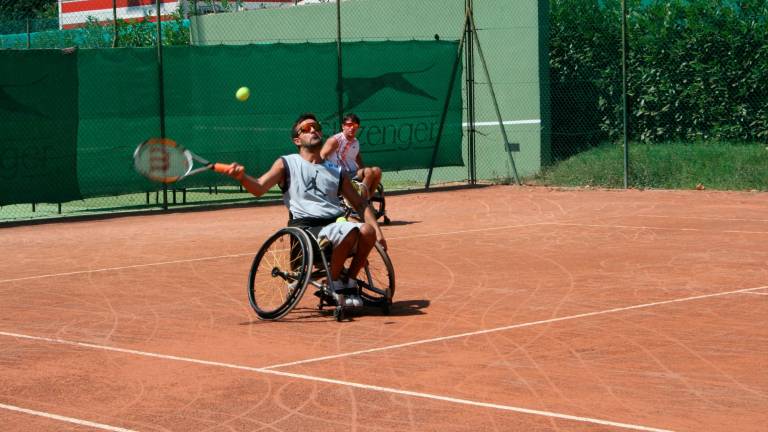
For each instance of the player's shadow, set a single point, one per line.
(402, 308)
(400, 222)
(304, 314)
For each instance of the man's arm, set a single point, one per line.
(258, 186)
(330, 146)
(348, 191)
(359, 161)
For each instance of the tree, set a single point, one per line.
(22, 9)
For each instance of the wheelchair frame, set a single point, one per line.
(302, 270)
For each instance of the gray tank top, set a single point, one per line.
(311, 190)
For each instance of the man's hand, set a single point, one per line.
(380, 238)
(234, 170)
(370, 218)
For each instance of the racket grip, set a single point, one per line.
(225, 168)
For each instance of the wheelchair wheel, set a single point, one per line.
(379, 204)
(377, 280)
(280, 273)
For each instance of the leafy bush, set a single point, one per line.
(696, 70)
(100, 34)
(585, 74)
(137, 33)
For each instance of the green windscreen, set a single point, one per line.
(86, 112)
(119, 108)
(38, 126)
(398, 89)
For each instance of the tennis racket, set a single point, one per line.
(163, 160)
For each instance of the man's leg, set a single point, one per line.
(370, 177)
(364, 238)
(360, 177)
(365, 242)
(342, 251)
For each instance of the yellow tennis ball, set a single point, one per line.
(341, 219)
(243, 94)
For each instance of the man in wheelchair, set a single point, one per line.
(311, 187)
(343, 149)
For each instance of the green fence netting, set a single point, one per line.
(88, 109)
(38, 126)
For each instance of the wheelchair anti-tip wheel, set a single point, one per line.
(279, 273)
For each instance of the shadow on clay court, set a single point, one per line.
(400, 222)
(312, 314)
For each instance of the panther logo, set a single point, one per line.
(360, 89)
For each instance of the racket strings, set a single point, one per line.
(162, 162)
(159, 161)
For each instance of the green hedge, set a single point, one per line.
(96, 34)
(696, 70)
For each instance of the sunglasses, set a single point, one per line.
(308, 127)
(351, 124)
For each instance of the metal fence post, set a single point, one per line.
(161, 88)
(469, 66)
(339, 78)
(624, 90)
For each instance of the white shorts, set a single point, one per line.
(338, 231)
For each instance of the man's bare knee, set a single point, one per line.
(367, 234)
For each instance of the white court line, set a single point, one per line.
(469, 231)
(344, 383)
(704, 218)
(65, 419)
(756, 293)
(126, 267)
(657, 228)
(270, 369)
(389, 238)
(506, 122)
(472, 403)
(236, 255)
(510, 327)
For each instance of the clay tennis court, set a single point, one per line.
(517, 309)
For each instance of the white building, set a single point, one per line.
(75, 13)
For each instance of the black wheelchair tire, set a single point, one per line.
(379, 204)
(301, 275)
(379, 269)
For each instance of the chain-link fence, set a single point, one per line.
(542, 86)
(411, 80)
(696, 94)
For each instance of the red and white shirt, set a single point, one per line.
(346, 153)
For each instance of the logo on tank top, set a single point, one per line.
(311, 185)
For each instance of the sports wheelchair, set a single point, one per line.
(293, 259)
(376, 200)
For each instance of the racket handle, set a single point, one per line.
(224, 169)
(220, 168)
